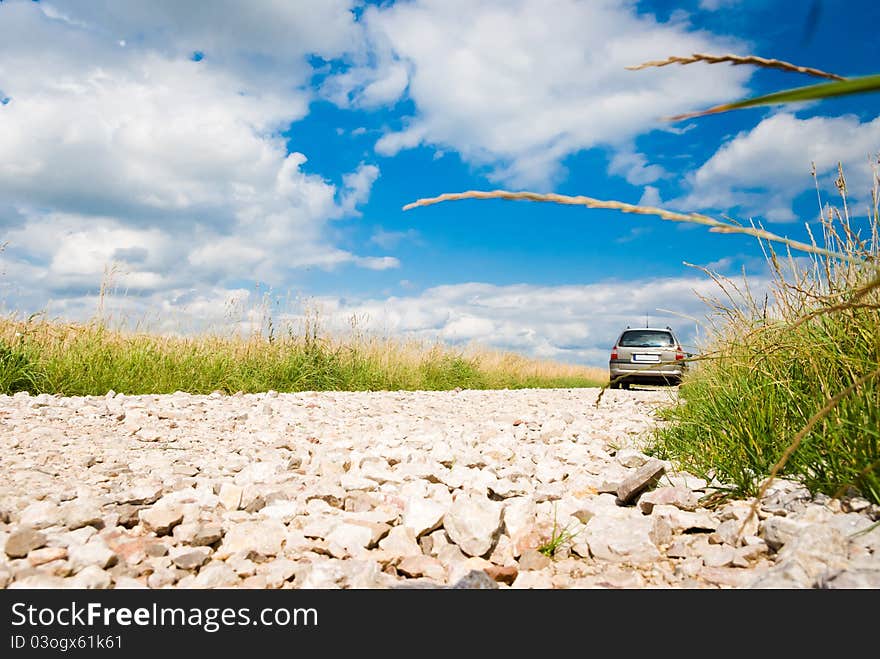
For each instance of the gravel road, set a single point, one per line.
(390, 490)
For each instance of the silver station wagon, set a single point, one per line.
(646, 355)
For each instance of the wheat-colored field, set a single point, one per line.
(91, 358)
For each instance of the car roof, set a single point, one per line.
(649, 329)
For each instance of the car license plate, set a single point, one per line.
(646, 358)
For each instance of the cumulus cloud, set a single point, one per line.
(634, 234)
(280, 34)
(391, 239)
(357, 186)
(120, 149)
(634, 167)
(761, 171)
(650, 197)
(715, 5)
(515, 87)
(576, 324)
(77, 252)
(378, 262)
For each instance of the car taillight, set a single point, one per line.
(679, 354)
(614, 352)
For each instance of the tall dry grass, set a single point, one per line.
(40, 355)
(789, 382)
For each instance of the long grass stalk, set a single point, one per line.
(695, 218)
(736, 60)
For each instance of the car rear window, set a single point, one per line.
(646, 339)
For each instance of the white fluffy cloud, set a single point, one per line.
(120, 150)
(572, 324)
(634, 167)
(390, 239)
(576, 324)
(515, 87)
(762, 170)
(715, 5)
(278, 31)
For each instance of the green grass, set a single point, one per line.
(17, 370)
(91, 359)
(559, 537)
(793, 388)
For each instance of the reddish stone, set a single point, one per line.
(503, 573)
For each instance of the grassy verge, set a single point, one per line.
(91, 359)
(790, 384)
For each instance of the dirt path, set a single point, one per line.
(389, 489)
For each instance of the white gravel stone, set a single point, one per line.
(400, 542)
(279, 572)
(284, 511)
(423, 515)
(473, 523)
(519, 515)
(682, 520)
(128, 583)
(46, 555)
(161, 519)
(631, 458)
(349, 539)
(41, 581)
(78, 537)
(320, 526)
(621, 538)
(215, 575)
(552, 429)
(422, 566)
(40, 515)
(82, 512)
(164, 576)
(717, 555)
(93, 553)
(816, 553)
(680, 497)
(533, 580)
(22, 541)
(640, 479)
(189, 558)
(230, 495)
(778, 531)
(684, 479)
(145, 494)
(262, 538)
(92, 577)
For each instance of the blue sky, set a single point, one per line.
(200, 156)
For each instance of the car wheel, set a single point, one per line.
(614, 385)
(625, 385)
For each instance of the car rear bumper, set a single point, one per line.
(662, 371)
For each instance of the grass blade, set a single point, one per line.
(823, 90)
(796, 442)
